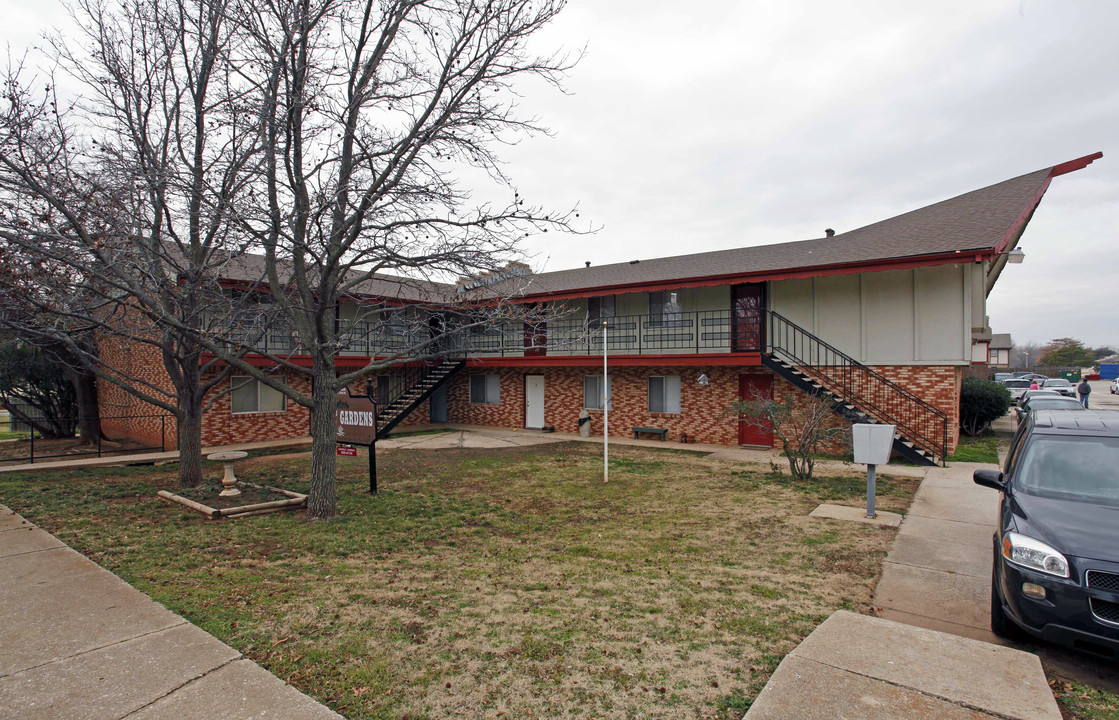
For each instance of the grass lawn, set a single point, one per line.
(496, 583)
(980, 449)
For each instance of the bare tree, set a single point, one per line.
(1025, 355)
(133, 188)
(803, 424)
(369, 109)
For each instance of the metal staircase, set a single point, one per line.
(860, 394)
(418, 383)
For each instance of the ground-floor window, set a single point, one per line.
(252, 396)
(593, 395)
(485, 389)
(664, 394)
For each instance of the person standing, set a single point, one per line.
(1084, 389)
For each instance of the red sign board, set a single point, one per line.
(347, 450)
(355, 419)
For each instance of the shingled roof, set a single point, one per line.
(979, 222)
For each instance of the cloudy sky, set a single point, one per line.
(701, 126)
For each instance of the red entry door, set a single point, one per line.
(750, 387)
(747, 312)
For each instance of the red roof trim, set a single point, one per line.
(1019, 225)
(1072, 165)
(804, 272)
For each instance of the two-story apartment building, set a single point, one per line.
(883, 318)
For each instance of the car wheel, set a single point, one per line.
(1001, 624)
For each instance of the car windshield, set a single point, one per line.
(1046, 402)
(1057, 383)
(1071, 468)
(1017, 383)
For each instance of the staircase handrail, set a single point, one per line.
(846, 388)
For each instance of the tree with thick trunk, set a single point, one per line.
(128, 196)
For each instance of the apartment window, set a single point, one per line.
(252, 396)
(593, 395)
(663, 306)
(600, 307)
(664, 394)
(485, 389)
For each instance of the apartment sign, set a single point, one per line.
(355, 419)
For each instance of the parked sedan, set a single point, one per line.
(1060, 385)
(1041, 400)
(1017, 388)
(1056, 568)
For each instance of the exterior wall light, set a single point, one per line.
(703, 380)
(1016, 256)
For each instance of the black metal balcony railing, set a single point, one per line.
(852, 382)
(697, 331)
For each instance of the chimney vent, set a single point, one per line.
(634, 262)
(588, 263)
(829, 232)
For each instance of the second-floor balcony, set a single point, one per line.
(701, 331)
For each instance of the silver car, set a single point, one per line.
(1061, 385)
(1017, 387)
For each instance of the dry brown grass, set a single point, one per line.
(507, 583)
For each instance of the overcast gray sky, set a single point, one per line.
(700, 126)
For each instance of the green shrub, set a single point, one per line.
(981, 403)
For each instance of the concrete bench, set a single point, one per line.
(663, 432)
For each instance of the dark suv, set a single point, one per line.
(1056, 570)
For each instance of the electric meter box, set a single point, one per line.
(872, 443)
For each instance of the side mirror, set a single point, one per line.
(989, 478)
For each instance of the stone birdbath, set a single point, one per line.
(228, 480)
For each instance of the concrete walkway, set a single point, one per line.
(938, 573)
(854, 666)
(78, 642)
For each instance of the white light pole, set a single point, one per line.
(605, 412)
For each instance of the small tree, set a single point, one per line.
(981, 403)
(1067, 352)
(30, 379)
(801, 426)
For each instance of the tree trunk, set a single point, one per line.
(85, 394)
(190, 427)
(322, 500)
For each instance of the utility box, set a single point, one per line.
(872, 443)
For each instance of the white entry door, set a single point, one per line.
(534, 401)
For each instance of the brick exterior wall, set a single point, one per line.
(221, 426)
(701, 418)
(938, 385)
(125, 416)
(701, 414)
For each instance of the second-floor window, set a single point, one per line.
(663, 305)
(600, 307)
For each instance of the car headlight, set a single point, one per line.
(1034, 554)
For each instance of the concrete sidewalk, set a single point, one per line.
(938, 573)
(854, 666)
(78, 642)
